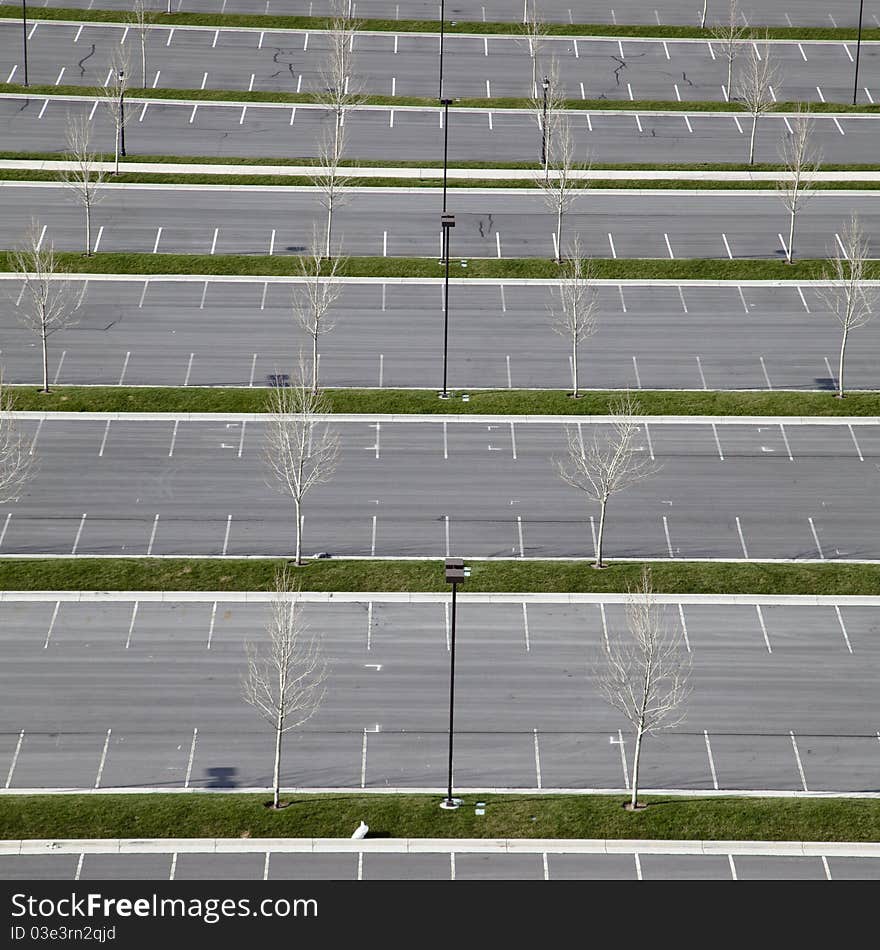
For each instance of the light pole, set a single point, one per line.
(446, 103)
(545, 84)
(447, 222)
(456, 573)
(24, 36)
(442, 34)
(121, 76)
(858, 51)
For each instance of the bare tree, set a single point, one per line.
(285, 679)
(114, 97)
(331, 183)
(340, 90)
(559, 185)
(16, 461)
(87, 174)
(141, 20)
(730, 37)
(301, 451)
(703, 15)
(314, 298)
(801, 162)
(575, 309)
(645, 671)
(611, 463)
(848, 296)
(534, 30)
(755, 88)
(48, 302)
(548, 108)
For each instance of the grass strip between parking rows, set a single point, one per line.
(417, 816)
(513, 576)
(272, 22)
(577, 105)
(178, 178)
(283, 265)
(501, 402)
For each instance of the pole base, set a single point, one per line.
(450, 804)
(442, 395)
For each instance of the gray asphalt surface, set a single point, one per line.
(211, 219)
(101, 485)
(685, 12)
(212, 333)
(416, 135)
(462, 867)
(475, 67)
(134, 695)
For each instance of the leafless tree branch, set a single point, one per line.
(575, 308)
(87, 174)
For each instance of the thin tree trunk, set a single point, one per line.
(559, 232)
(45, 360)
(599, 537)
(117, 146)
(752, 139)
(329, 225)
(88, 228)
(144, 61)
(315, 359)
(840, 364)
(574, 366)
(298, 535)
(703, 15)
(729, 72)
(791, 238)
(635, 778)
(276, 778)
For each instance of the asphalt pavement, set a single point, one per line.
(275, 866)
(435, 488)
(285, 131)
(839, 13)
(397, 65)
(242, 332)
(147, 695)
(496, 223)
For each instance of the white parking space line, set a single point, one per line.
(373, 538)
(802, 52)
(826, 868)
(766, 374)
(636, 370)
(5, 528)
(131, 625)
(683, 302)
(855, 443)
(519, 528)
(189, 367)
(620, 291)
(104, 440)
(727, 246)
(711, 760)
(742, 540)
(195, 108)
(170, 35)
(156, 242)
(266, 866)
(803, 299)
(816, 539)
(78, 534)
(763, 627)
(537, 759)
(448, 632)
(498, 244)
(800, 764)
(843, 628)
(124, 367)
(192, 755)
(638, 867)
(732, 867)
(611, 242)
(76, 38)
(668, 541)
(839, 126)
(510, 386)
(604, 627)
(98, 239)
(79, 865)
(211, 626)
(363, 773)
(669, 246)
(700, 369)
(785, 440)
(153, 535)
(173, 866)
(45, 103)
(14, 759)
(684, 628)
(58, 80)
(840, 245)
(650, 445)
(526, 626)
(103, 760)
(446, 456)
(619, 741)
(214, 241)
(36, 436)
(12, 73)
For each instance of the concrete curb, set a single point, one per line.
(463, 174)
(428, 597)
(120, 846)
(366, 418)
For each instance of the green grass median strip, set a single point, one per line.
(257, 265)
(272, 22)
(508, 402)
(417, 816)
(579, 105)
(514, 576)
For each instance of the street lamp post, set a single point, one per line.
(447, 222)
(24, 36)
(121, 75)
(858, 51)
(545, 84)
(445, 103)
(442, 34)
(456, 573)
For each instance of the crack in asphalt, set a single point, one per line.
(488, 224)
(279, 50)
(82, 69)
